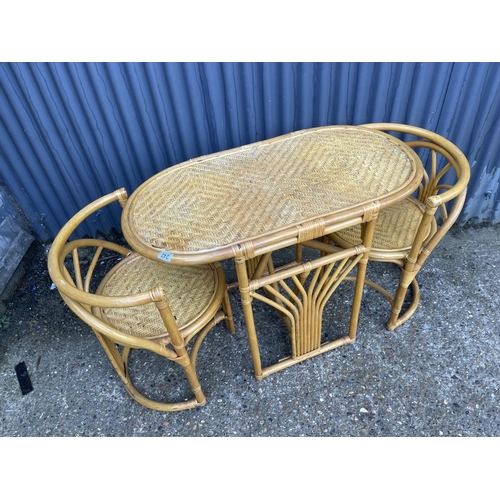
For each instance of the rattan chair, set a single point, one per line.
(406, 233)
(140, 303)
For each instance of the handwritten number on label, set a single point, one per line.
(166, 256)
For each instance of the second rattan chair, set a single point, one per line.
(140, 303)
(406, 233)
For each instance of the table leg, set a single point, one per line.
(367, 231)
(302, 306)
(246, 302)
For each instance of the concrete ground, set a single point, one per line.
(437, 375)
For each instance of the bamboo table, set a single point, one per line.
(247, 202)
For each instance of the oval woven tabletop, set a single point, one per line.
(253, 190)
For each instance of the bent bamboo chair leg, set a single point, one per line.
(397, 318)
(228, 312)
(119, 361)
(412, 264)
(177, 343)
(155, 405)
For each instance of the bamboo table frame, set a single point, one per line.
(247, 202)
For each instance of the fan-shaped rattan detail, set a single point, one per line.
(140, 304)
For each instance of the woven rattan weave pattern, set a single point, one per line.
(403, 220)
(274, 184)
(189, 289)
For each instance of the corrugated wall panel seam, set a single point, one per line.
(71, 132)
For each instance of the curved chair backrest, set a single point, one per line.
(434, 193)
(61, 247)
(76, 290)
(452, 152)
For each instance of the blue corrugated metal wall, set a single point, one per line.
(70, 132)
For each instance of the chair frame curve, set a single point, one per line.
(434, 195)
(86, 305)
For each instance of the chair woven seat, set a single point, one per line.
(189, 290)
(395, 230)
